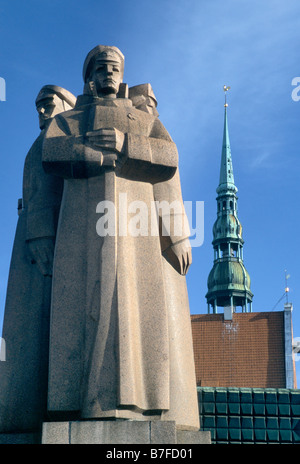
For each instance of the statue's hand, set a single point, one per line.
(41, 251)
(109, 139)
(180, 256)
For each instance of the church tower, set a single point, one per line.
(228, 281)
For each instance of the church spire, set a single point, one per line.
(226, 172)
(228, 282)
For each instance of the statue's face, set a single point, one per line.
(48, 108)
(107, 75)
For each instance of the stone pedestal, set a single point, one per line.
(120, 432)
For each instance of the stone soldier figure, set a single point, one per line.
(143, 98)
(23, 376)
(120, 331)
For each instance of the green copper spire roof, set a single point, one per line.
(228, 282)
(226, 172)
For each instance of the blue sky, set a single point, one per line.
(187, 50)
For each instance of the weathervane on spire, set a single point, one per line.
(226, 88)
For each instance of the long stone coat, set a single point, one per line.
(120, 332)
(23, 375)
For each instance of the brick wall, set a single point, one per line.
(245, 352)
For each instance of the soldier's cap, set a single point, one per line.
(105, 51)
(63, 94)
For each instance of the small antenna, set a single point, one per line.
(286, 291)
(287, 276)
(226, 88)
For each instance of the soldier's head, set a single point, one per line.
(143, 98)
(52, 100)
(103, 70)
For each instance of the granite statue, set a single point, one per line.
(23, 375)
(97, 322)
(120, 344)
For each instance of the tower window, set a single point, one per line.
(224, 205)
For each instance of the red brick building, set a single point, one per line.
(247, 351)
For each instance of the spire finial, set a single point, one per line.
(226, 88)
